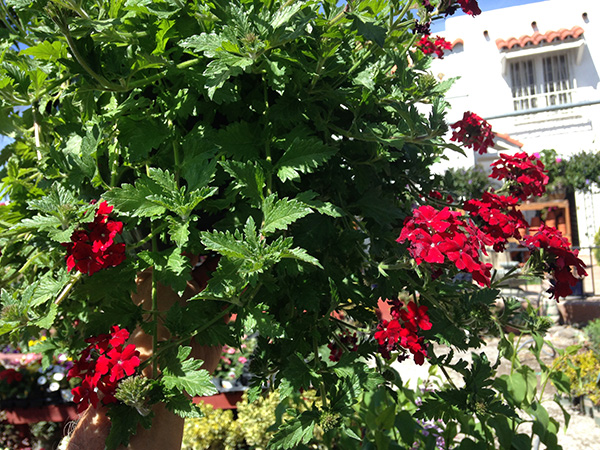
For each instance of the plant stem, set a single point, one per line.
(68, 288)
(154, 310)
(322, 390)
(188, 338)
(154, 232)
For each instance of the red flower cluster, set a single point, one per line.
(10, 376)
(525, 174)
(349, 342)
(93, 248)
(101, 366)
(440, 236)
(391, 333)
(473, 132)
(429, 45)
(559, 259)
(470, 7)
(437, 195)
(499, 216)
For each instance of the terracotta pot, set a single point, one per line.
(579, 311)
(167, 428)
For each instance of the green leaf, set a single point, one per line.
(48, 318)
(46, 50)
(141, 137)
(183, 406)
(124, 423)
(249, 179)
(302, 156)
(179, 232)
(185, 374)
(226, 244)
(279, 214)
(171, 267)
(297, 431)
(301, 255)
(136, 200)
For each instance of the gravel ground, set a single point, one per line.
(582, 432)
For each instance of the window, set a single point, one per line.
(541, 81)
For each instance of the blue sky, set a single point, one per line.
(485, 5)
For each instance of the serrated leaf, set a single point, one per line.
(183, 407)
(249, 178)
(302, 255)
(226, 244)
(297, 431)
(326, 208)
(47, 320)
(170, 267)
(46, 50)
(135, 200)
(179, 232)
(49, 287)
(302, 156)
(185, 374)
(124, 423)
(279, 214)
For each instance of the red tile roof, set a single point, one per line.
(457, 42)
(537, 38)
(507, 138)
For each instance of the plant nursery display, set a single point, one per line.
(183, 174)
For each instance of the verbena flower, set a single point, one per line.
(524, 174)
(101, 366)
(402, 331)
(470, 7)
(93, 248)
(498, 217)
(439, 237)
(558, 258)
(473, 132)
(349, 341)
(437, 45)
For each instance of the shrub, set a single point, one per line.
(218, 430)
(582, 369)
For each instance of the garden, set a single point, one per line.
(244, 188)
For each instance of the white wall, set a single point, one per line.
(484, 90)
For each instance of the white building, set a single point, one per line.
(532, 71)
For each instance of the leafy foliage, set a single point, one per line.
(262, 156)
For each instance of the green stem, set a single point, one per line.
(267, 129)
(322, 390)
(158, 76)
(30, 261)
(177, 161)
(187, 338)
(153, 233)
(154, 310)
(447, 375)
(68, 288)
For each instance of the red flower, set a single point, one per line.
(393, 335)
(101, 366)
(437, 237)
(416, 316)
(473, 132)
(10, 376)
(559, 259)
(525, 174)
(84, 395)
(428, 45)
(470, 7)
(93, 248)
(499, 217)
(349, 342)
